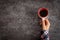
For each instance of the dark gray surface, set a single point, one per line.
(19, 20)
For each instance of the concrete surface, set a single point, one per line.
(19, 20)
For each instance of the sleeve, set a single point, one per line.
(45, 35)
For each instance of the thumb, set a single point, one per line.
(43, 22)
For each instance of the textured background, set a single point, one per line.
(19, 20)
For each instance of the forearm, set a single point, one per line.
(45, 35)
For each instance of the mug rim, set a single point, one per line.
(40, 9)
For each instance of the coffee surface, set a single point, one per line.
(43, 13)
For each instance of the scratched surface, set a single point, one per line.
(19, 20)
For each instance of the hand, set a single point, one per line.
(45, 24)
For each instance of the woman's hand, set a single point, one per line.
(45, 24)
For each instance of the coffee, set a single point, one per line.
(43, 13)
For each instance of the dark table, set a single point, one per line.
(19, 19)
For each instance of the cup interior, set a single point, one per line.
(42, 12)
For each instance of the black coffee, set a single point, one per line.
(43, 13)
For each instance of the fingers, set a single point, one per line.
(47, 23)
